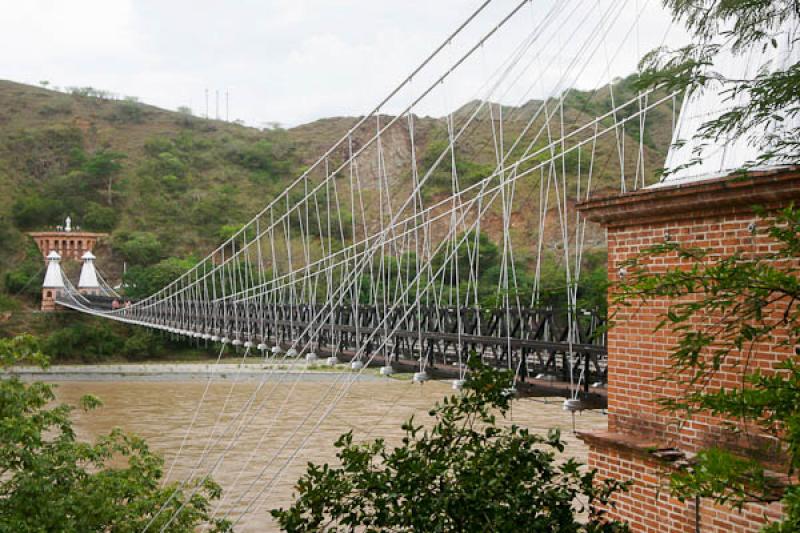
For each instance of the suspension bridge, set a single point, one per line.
(373, 256)
(356, 260)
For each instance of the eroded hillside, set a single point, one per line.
(169, 186)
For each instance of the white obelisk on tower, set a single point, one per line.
(88, 283)
(53, 282)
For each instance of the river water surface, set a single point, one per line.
(258, 426)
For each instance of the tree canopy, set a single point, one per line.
(764, 102)
(466, 472)
(51, 481)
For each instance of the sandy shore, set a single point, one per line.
(184, 371)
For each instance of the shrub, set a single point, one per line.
(466, 473)
(100, 218)
(142, 344)
(127, 111)
(35, 211)
(8, 303)
(215, 209)
(138, 247)
(89, 341)
(156, 145)
(58, 107)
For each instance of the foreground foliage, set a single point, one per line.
(722, 308)
(467, 472)
(51, 481)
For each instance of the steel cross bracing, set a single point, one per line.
(536, 338)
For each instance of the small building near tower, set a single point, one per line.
(53, 284)
(69, 241)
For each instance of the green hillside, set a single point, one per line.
(168, 186)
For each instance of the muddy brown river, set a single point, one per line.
(259, 427)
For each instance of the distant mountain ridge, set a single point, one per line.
(167, 183)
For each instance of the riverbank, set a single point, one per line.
(172, 371)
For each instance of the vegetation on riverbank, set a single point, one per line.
(68, 337)
(54, 482)
(466, 472)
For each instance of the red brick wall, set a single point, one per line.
(638, 354)
(70, 245)
(648, 507)
(714, 215)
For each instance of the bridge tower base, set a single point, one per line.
(49, 299)
(643, 443)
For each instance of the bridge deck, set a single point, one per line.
(535, 343)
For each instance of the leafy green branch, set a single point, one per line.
(51, 481)
(766, 102)
(466, 472)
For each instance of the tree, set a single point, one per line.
(768, 99)
(142, 344)
(466, 473)
(100, 218)
(721, 309)
(27, 275)
(103, 167)
(138, 247)
(88, 340)
(487, 256)
(33, 210)
(441, 177)
(53, 482)
(143, 281)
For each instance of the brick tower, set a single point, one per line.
(702, 203)
(642, 440)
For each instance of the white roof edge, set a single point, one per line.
(688, 157)
(700, 178)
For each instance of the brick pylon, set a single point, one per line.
(643, 443)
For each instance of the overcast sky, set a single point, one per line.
(292, 61)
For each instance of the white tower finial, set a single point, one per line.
(68, 224)
(53, 279)
(88, 281)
